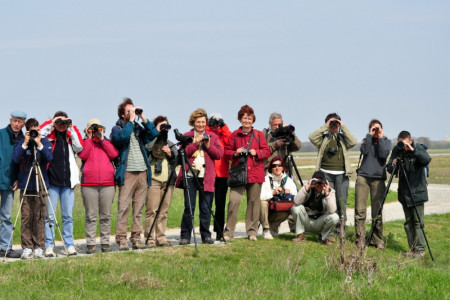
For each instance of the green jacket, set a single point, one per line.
(319, 139)
(414, 163)
(8, 170)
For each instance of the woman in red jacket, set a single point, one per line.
(202, 153)
(97, 184)
(236, 148)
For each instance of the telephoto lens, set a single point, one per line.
(33, 134)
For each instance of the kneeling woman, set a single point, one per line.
(97, 184)
(277, 183)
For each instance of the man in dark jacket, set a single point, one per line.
(133, 172)
(8, 178)
(414, 158)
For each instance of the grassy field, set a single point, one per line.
(241, 269)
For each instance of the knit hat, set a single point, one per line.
(216, 116)
(92, 122)
(319, 174)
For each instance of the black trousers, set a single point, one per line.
(220, 199)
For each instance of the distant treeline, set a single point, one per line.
(308, 147)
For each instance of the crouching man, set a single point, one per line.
(315, 209)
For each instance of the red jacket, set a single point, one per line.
(214, 152)
(223, 164)
(97, 168)
(255, 164)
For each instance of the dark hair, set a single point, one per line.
(31, 122)
(274, 159)
(404, 135)
(121, 108)
(375, 121)
(160, 119)
(246, 110)
(60, 113)
(332, 116)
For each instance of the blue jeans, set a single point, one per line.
(205, 213)
(6, 227)
(66, 197)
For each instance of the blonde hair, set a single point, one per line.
(198, 113)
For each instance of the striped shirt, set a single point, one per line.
(135, 161)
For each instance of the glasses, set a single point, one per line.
(276, 166)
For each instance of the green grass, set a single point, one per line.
(241, 269)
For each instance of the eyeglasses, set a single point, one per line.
(276, 165)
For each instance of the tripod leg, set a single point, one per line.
(294, 166)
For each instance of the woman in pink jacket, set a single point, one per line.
(97, 184)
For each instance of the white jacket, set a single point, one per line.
(266, 189)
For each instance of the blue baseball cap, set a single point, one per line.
(18, 114)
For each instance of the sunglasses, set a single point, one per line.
(276, 165)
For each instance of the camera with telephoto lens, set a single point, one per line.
(158, 167)
(33, 134)
(165, 127)
(138, 111)
(183, 139)
(284, 132)
(332, 151)
(316, 182)
(60, 121)
(214, 121)
(401, 151)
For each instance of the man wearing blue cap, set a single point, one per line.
(8, 178)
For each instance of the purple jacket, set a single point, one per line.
(214, 152)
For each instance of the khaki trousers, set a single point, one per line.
(33, 221)
(271, 219)
(133, 191)
(323, 224)
(376, 188)
(253, 209)
(154, 197)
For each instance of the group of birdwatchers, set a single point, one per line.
(139, 159)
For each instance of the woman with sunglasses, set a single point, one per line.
(97, 184)
(276, 184)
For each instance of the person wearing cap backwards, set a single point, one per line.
(315, 209)
(9, 178)
(97, 184)
(63, 175)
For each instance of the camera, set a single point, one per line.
(60, 121)
(205, 138)
(285, 132)
(316, 182)
(183, 139)
(214, 121)
(165, 127)
(158, 167)
(33, 134)
(332, 151)
(334, 124)
(138, 111)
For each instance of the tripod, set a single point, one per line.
(39, 183)
(398, 166)
(290, 164)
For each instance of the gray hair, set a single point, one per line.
(273, 116)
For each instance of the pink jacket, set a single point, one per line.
(255, 164)
(97, 168)
(214, 152)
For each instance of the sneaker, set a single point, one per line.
(49, 252)
(124, 246)
(106, 248)
(252, 238)
(300, 238)
(138, 245)
(10, 253)
(226, 238)
(164, 244)
(379, 246)
(38, 253)
(208, 240)
(273, 232)
(184, 242)
(71, 251)
(266, 235)
(419, 254)
(151, 244)
(90, 249)
(27, 254)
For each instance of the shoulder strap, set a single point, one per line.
(359, 161)
(271, 182)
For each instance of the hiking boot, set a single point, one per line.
(71, 251)
(49, 252)
(325, 242)
(300, 238)
(252, 238)
(124, 246)
(184, 242)
(10, 253)
(379, 246)
(38, 253)
(273, 232)
(106, 248)
(419, 254)
(90, 249)
(226, 238)
(164, 244)
(138, 245)
(266, 235)
(27, 254)
(208, 240)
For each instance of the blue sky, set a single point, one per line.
(304, 59)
